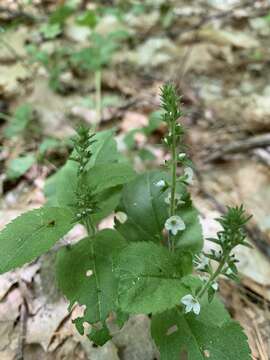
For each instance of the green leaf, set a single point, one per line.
(211, 335)
(97, 178)
(19, 166)
(154, 122)
(88, 18)
(145, 206)
(100, 336)
(60, 15)
(20, 120)
(104, 151)
(150, 278)
(85, 275)
(50, 31)
(48, 144)
(101, 178)
(32, 234)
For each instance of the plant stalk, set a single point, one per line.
(213, 277)
(90, 227)
(173, 189)
(98, 98)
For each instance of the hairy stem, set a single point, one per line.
(90, 227)
(173, 188)
(213, 277)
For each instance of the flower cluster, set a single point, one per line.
(85, 203)
(82, 143)
(170, 104)
(232, 235)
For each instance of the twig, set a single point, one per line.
(224, 14)
(239, 146)
(263, 155)
(14, 14)
(23, 319)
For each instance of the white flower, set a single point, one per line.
(201, 262)
(191, 304)
(189, 173)
(214, 286)
(121, 217)
(181, 156)
(160, 183)
(177, 198)
(175, 224)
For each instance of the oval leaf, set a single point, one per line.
(32, 234)
(84, 274)
(210, 335)
(150, 272)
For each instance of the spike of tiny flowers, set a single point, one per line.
(191, 304)
(175, 224)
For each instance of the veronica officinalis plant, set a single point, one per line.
(150, 262)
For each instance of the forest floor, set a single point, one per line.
(218, 55)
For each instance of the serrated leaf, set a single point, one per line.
(145, 206)
(211, 335)
(85, 274)
(150, 278)
(32, 234)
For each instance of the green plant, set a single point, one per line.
(95, 58)
(146, 263)
(21, 122)
(54, 26)
(55, 64)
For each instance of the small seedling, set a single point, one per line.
(150, 262)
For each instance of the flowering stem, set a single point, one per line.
(213, 276)
(173, 188)
(90, 227)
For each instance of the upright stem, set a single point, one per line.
(91, 229)
(213, 277)
(173, 188)
(98, 97)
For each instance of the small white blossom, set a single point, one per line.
(214, 286)
(201, 262)
(160, 183)
(175, 224)
(121, 217)
(177, 198)
(181, 156)
(189, 173)
(229, 271)
(191, 304)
